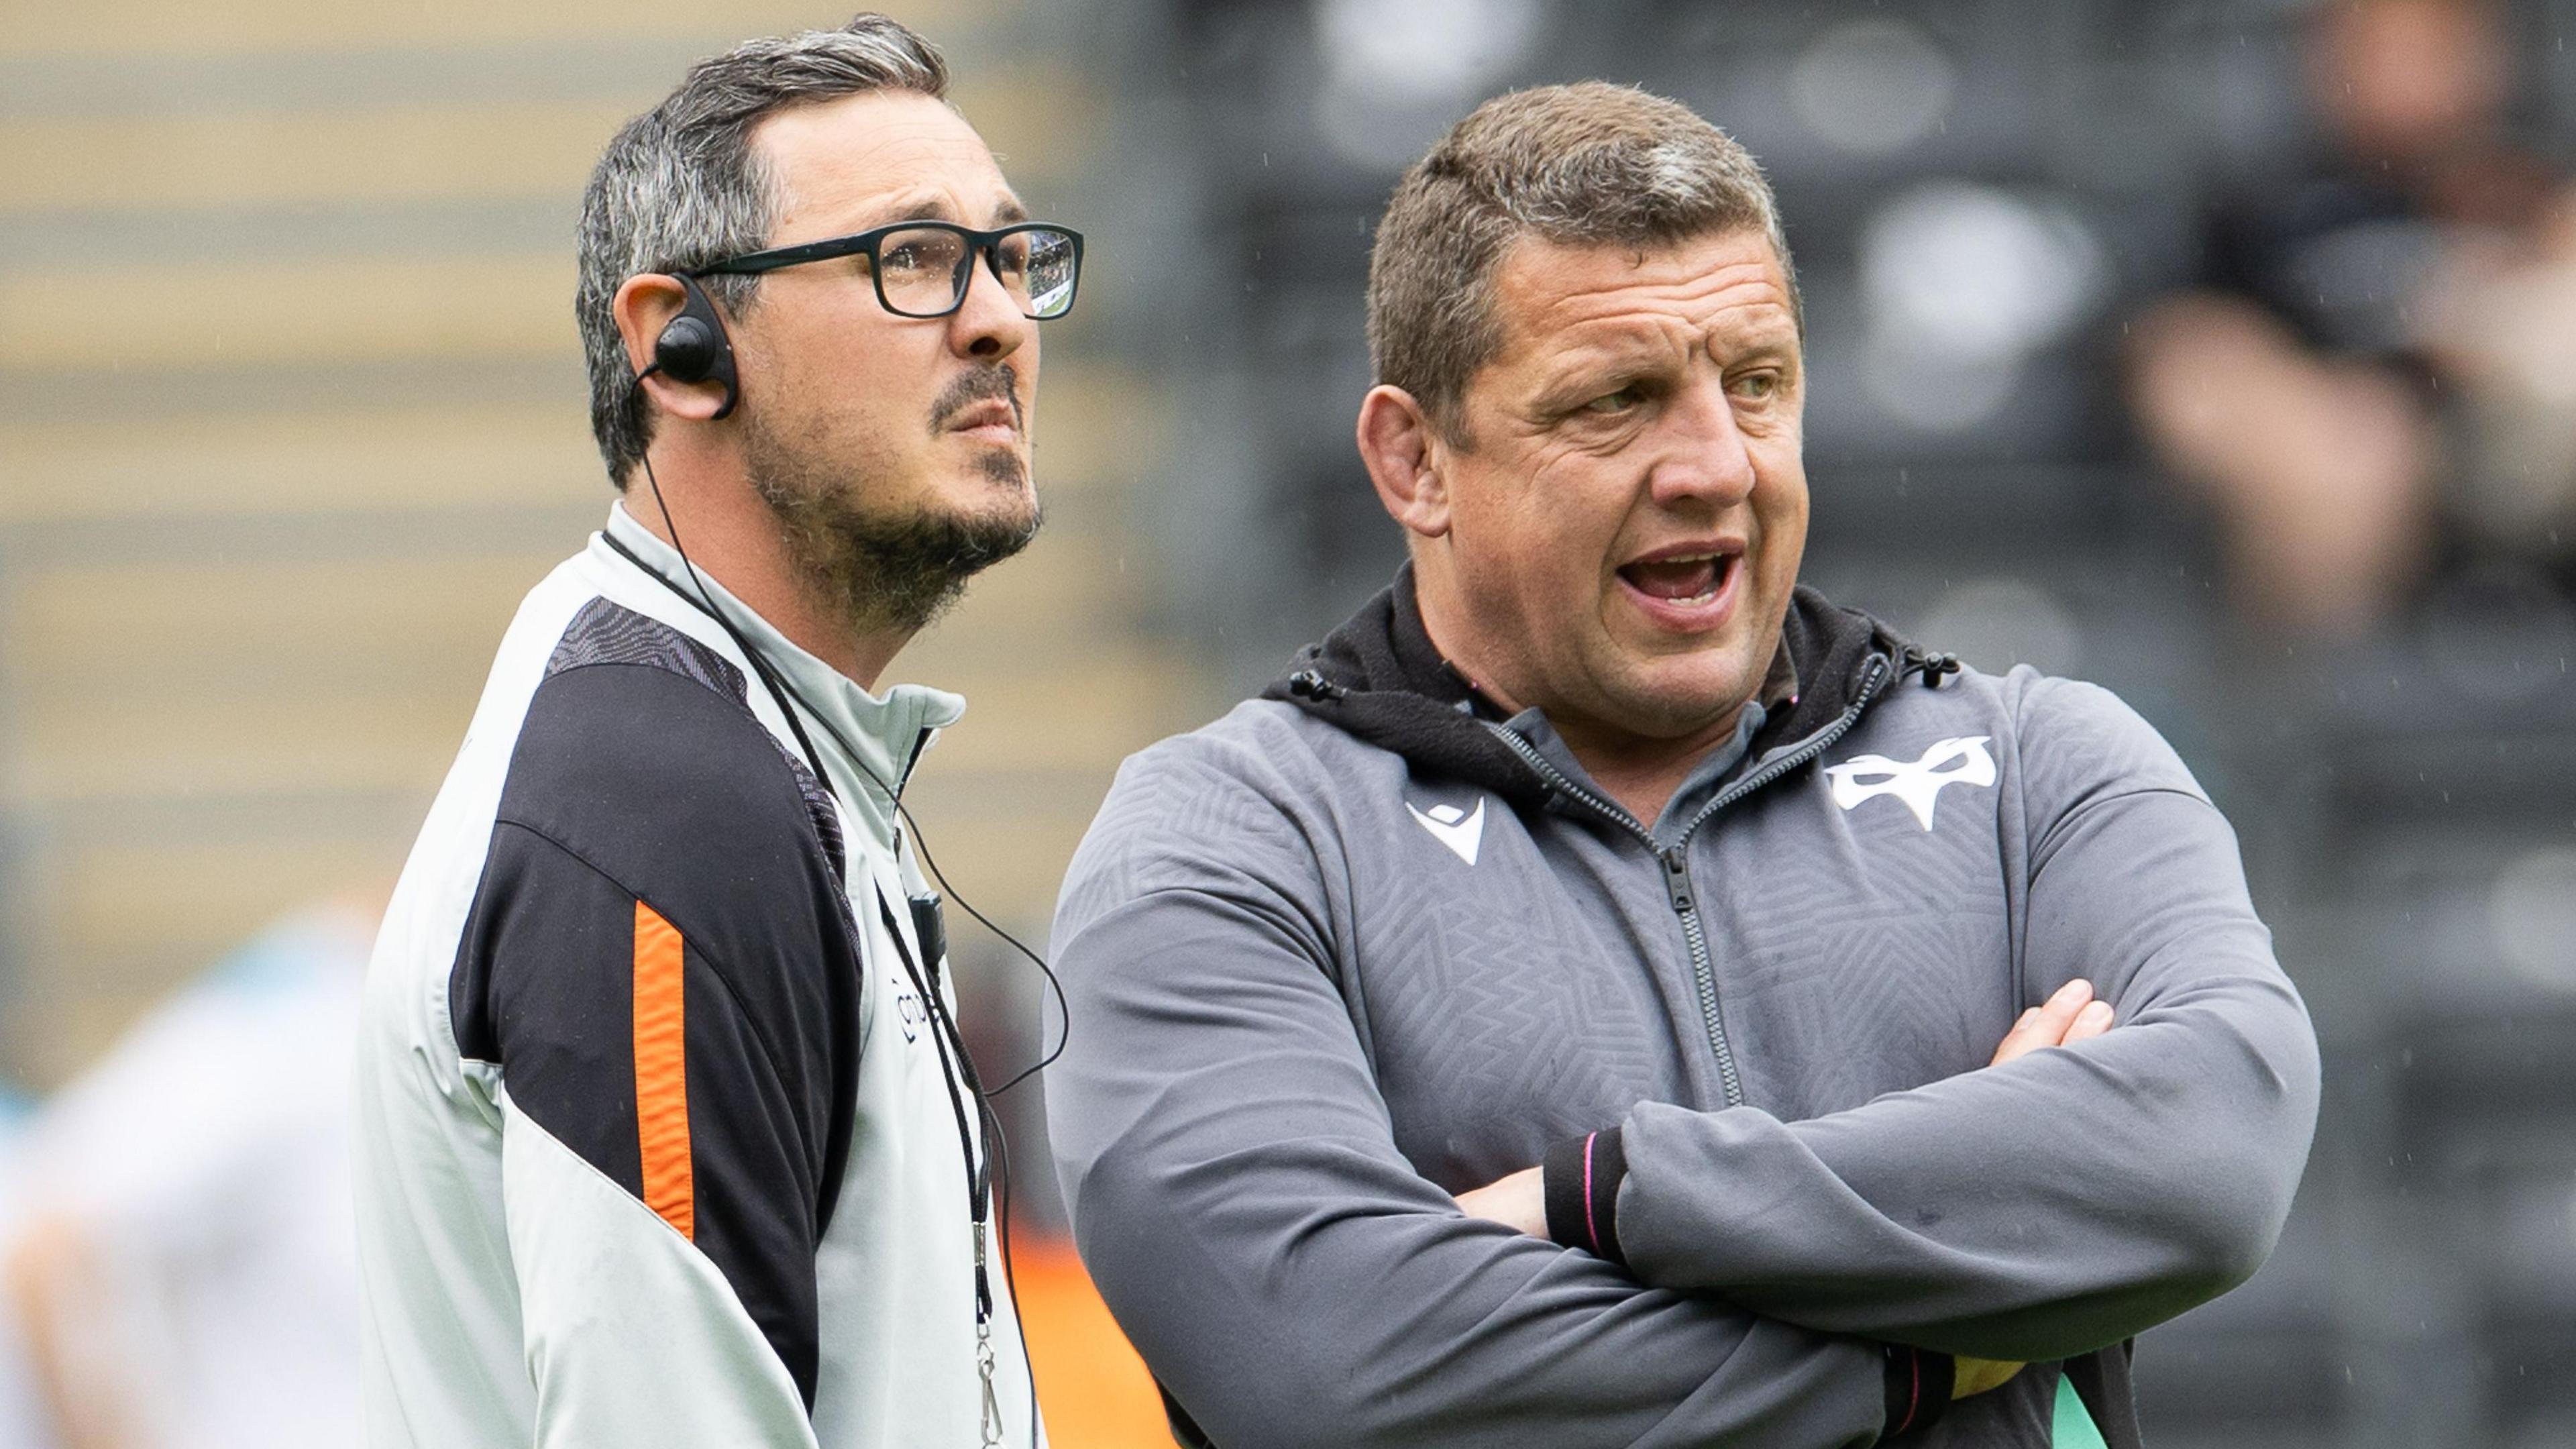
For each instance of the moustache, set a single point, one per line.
(998, 383)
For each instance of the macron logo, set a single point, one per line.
(1948, 762)
(1460, 830)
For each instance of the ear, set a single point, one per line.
(1404, 454)
(643, 306)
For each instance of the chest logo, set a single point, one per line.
(910, 1012)
(1460, 830)
(1918, 784)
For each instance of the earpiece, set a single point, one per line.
(693, 346)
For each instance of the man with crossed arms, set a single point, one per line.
(1564, 1010)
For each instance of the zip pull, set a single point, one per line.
(930, 928)
(1677, 881)
(1311, 684)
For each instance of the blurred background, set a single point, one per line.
(2223, 352)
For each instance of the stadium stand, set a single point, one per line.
(290, 413)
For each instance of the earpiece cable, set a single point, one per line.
(781, 694)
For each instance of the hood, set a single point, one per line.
(1381, 679)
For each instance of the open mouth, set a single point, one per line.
(1683, 579)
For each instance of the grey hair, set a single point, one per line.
(680, 187)
(1582, 165)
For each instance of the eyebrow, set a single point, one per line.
(1775, 344)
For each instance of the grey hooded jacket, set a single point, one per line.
(1353, 948)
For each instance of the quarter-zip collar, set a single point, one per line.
(1380, 678)
(1697, 788)
(869, 742)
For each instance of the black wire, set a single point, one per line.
(921, 847)
(1064, 1009)
(706, 603)
(780, 692)
(944, 1034)
(998, 1141)
(1010, 1275)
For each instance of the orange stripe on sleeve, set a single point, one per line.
(662, 1073)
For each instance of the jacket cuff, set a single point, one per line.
(1579, 1178)
(1919, 1382)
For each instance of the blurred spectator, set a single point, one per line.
(180, 1258)
(25, 1422)
(2375, 387)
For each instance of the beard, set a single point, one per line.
(889, 569)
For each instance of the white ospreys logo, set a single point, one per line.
(1864, 777)
(1460, 830)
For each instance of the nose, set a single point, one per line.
(1704, 458)
(987, 326)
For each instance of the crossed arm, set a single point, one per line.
(1237, 1193)
(1519, 1200)
(2049, 1205)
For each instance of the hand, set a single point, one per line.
(1972, 1376)
(1517, 1202)
(2072, 1015)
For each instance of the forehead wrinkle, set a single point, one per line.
(1587, 348)
(1612, 330)
(1736, 298)
(1690, 301)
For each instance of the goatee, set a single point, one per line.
(897, 571)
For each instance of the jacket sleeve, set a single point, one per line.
(2063, 1201)
(649, 973)
(1290, 1279)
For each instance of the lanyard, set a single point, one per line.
(956, 1067)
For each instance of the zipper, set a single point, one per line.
(1703, 966)
(1675, 861)
(1817, 743)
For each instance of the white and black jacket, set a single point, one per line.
(657, 1138)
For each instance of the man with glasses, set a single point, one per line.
(668, 1137)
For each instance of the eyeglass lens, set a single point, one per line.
(922, 273)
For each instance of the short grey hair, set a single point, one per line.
(680, 187)
(1581, 165)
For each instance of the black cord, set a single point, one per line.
(998, 1181)
(1010, 1275)
(1064, 1009)
(706, 602)
(780, 693)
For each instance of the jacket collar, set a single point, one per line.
(872, 740)
(1380, 678)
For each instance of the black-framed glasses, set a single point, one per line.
(923, 268)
